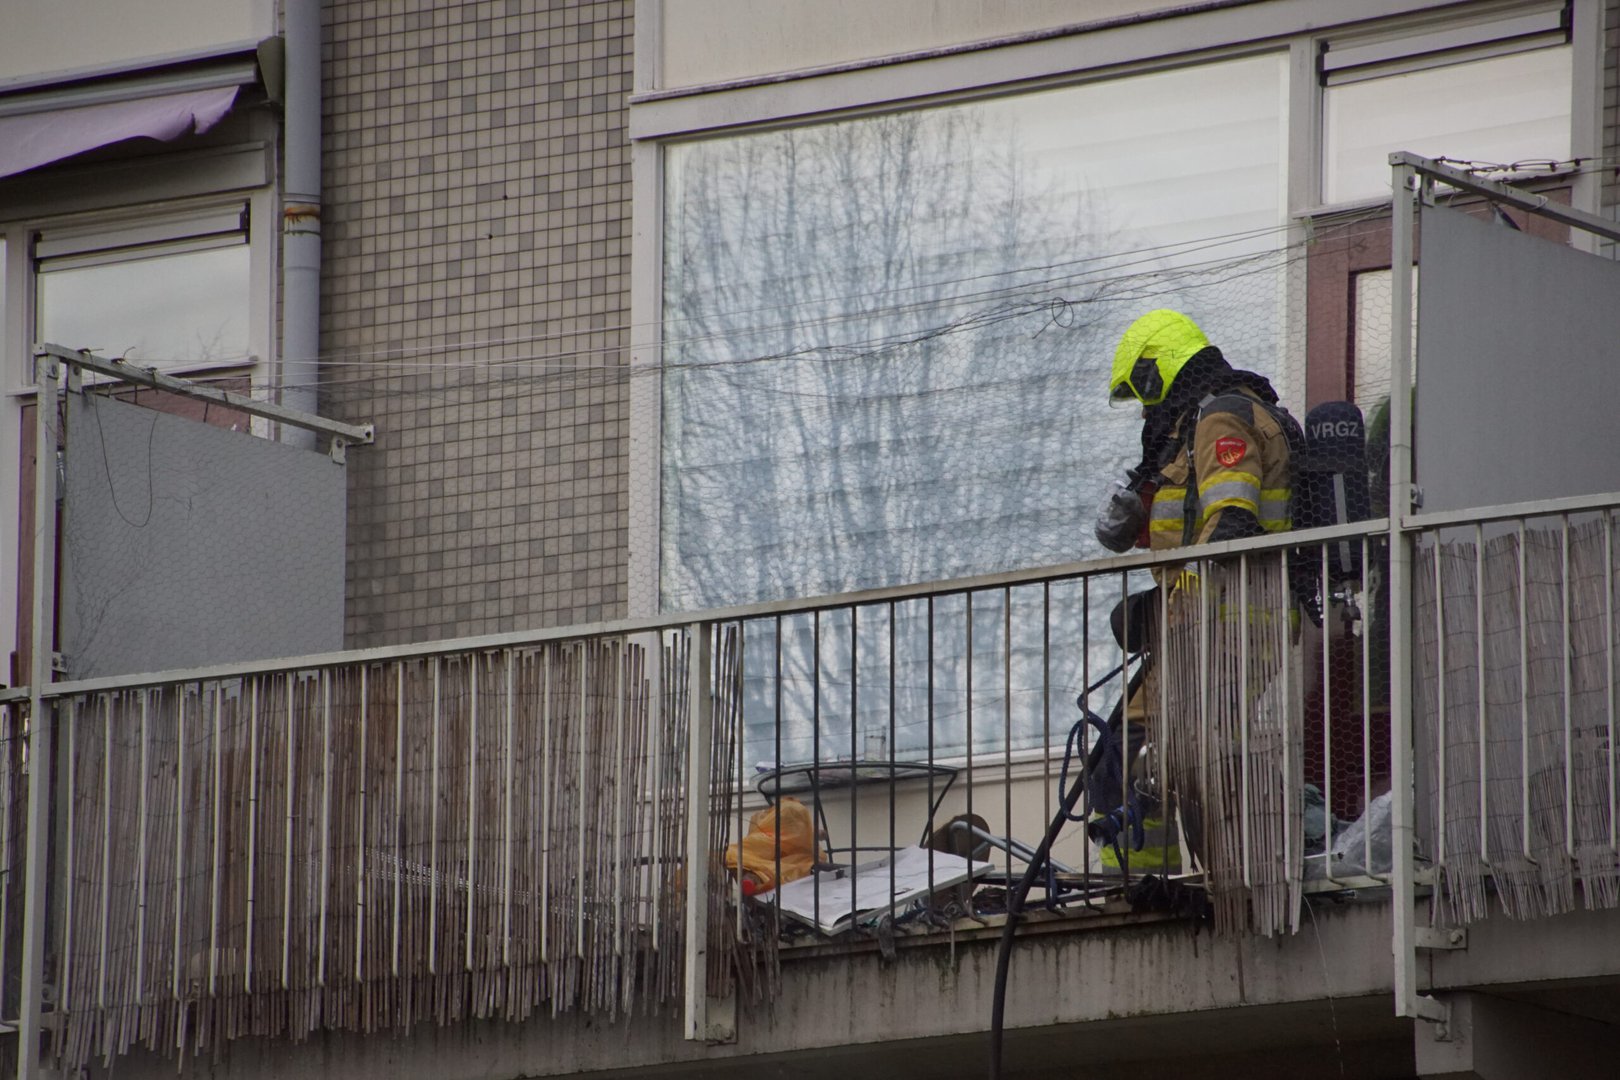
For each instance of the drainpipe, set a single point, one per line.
(301, 214)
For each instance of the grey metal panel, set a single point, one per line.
(1517, 376)
(185, 543)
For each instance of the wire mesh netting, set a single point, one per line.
(820, 438)
(984, 445)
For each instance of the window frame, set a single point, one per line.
(1432, 43)
(1249, 84)
(1433, 39)
(1365, 246)
(1325, 147)
(103, 237)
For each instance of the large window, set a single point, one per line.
(887, 338)
(887, 345)
(168, 291)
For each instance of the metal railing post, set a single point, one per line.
(40, 716)
(1408, 1002)
(700, 736)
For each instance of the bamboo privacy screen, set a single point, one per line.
(482, 834)
(1514, 687)
(13, 842)
(1229, 721)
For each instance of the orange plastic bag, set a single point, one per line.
(758, 848)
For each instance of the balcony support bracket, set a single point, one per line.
(1433, 937)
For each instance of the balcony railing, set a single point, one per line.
(1514, 695)
(947, 719)
(501, 827)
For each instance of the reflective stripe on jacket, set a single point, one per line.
(1238, 460)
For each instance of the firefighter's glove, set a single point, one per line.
(1121, 518)
(1118, 829)
(1104, 829)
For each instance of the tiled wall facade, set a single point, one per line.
(475, 307)
(1611, 105)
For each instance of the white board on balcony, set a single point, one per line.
(834, 900)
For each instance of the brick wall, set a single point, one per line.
(474, 305)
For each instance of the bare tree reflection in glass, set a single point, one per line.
(864, 382)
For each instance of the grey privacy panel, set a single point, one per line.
(185, 544)
(1518, 366)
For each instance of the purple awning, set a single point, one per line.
(35, 139)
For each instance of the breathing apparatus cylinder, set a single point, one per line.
(1330, 480)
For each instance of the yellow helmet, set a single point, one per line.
(1153, 351)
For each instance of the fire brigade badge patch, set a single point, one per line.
(1230, 450)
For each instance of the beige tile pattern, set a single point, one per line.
(1611, 104)
(475, 306)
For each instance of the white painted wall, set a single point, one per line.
(42, 38)
(708, 41)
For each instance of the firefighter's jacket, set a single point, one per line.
(1228, 481)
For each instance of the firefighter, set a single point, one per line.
(1215, 466)
(1213, 445)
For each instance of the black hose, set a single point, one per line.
(1015, 904)
(1016, 898)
